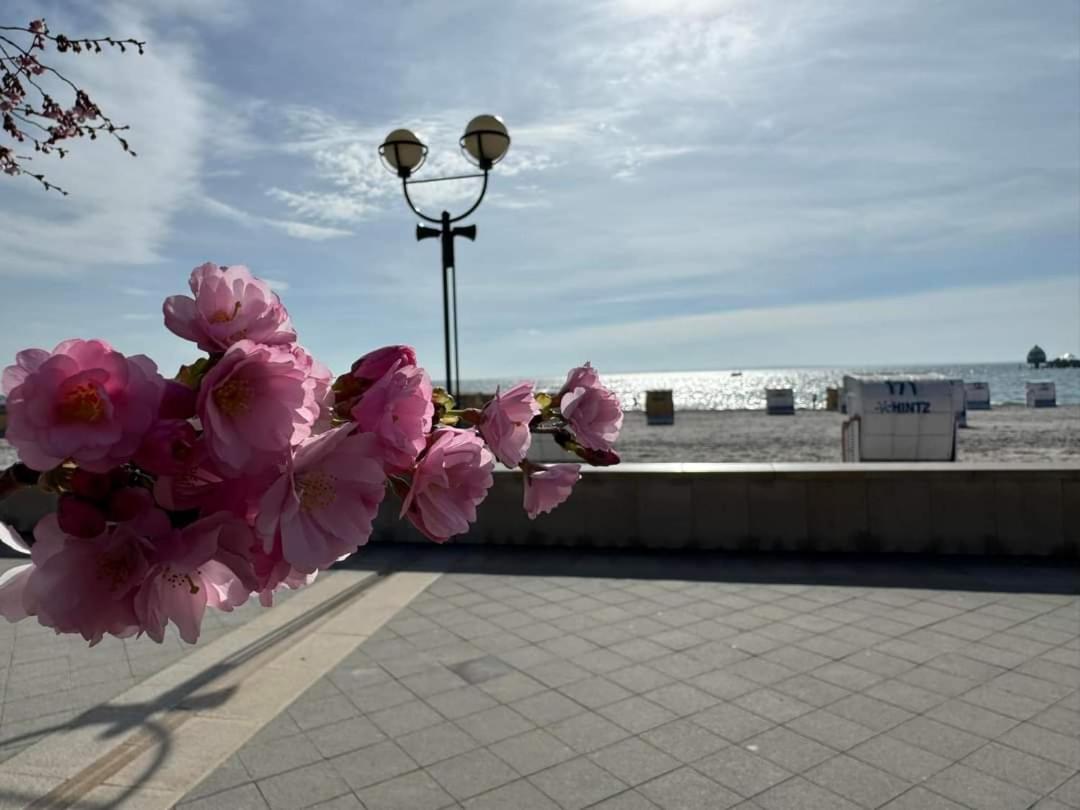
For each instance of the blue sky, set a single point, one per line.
(696, 184)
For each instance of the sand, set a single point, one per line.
(1005, 434)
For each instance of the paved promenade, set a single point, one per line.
(556, 680)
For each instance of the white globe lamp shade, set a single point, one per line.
(403, 152)
(485, 141)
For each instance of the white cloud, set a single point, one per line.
(297, 230)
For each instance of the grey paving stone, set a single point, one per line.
(684, 740)
(831, 729)
(302, 787)
(634, 761)
(731, 722)
(473, 773)
(512, 687)
(639, 678)
(461, 702)
(773, 705)
(796, 659)
(229, 774)
(323, 712)
(935, 680)
(919, 798)
(348, 735)
(430, 745)
(1017, 707)
(587, 732)
(492, 725)
(1069, 791)
(1018, 768)
(760, 671)
(245, 797)
(533, 751)
(376, 763)
(278, 756)
(433, 680)
(547, 707)
(405, 718)
(969, 717)
(1058, 718)
(742, 771)
(855, 780)
(380, 696)
(789, 750)
(595, 692)
(905, 696)
(799, 794)
(519, 795)
(557, 673)
(680, 666)
(723, 685)
(686, 789)
(636, 714)
(973, 788)
(846, 676)
(887, 666)
(577, 784)
(630, 800)
(810, 690)
(937, 738)
(866, 711)
(681, 698)
(900, 758)
(639, 649)
(1059, 748)
(413, 791)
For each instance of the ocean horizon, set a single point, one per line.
(744, 388)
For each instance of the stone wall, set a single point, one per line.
(921, 508)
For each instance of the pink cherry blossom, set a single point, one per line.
(398, 409)
(86, 586)
(591, 409)
(230, 305)
(166, 447)
(79, 517)
(254, 405)
(320, 377)
(548, 486)
(450, 480)
(206, 563)
(84, 401)
(321, 509)
(202, 484)
(177, 402)
(273, 573)
(373, 366)
(505, 426)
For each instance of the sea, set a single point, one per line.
(744, 389)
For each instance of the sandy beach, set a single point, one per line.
(1005, 434)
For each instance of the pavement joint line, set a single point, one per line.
(225, 692)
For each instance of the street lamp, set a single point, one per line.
(484, 144)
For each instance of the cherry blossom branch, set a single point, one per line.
(23, 99)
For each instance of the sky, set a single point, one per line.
(691, 185)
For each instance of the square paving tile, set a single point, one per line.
(588, 732)
(473, 773)
(686, 789)
(741, 771)
(595, 692)
(495, 724)
(684, 740)
(376, 763)
(577, 783)
(634, 761)
(731, 722)
(831, 729)
(519, 795)
(430, 745)
(799, 794)
(1024, 770)
(348, 735)
(637, 714)
(900, 758)
(773, 705)
(919, 798)
(533, 751)
(413, 791)
(976, 789)
(407, 717)
(789, 750)
(547, 707)
(855, 780)
(681, 698)
(302, 787)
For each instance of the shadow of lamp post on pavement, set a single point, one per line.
(484, 144)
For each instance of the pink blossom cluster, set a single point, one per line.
(254, 469)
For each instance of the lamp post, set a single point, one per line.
(484, 144)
